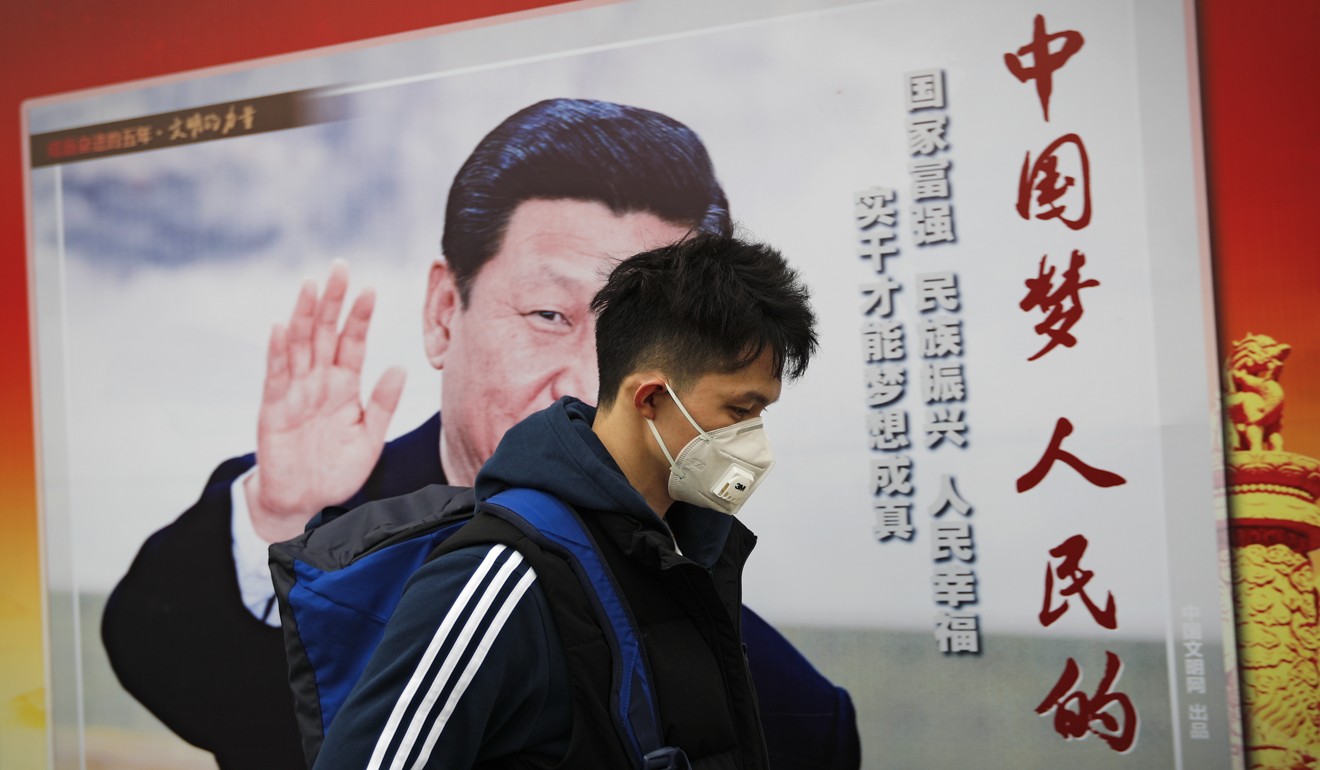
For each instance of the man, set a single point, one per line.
(537, 215)
(692, 340)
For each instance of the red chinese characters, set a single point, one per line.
(1055, 451)
(1062, 303)
(1045, 59)
(1057, 193)
(1054, 183)
(1107, 714)
(1074, 579)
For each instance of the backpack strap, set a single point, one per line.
(554, 526)
(338, 583)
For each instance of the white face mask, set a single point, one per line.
(719, 469)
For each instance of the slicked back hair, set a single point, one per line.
(626, 158)
(708, 304)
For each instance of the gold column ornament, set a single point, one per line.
(1274, 527)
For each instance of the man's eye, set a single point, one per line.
(548, 317)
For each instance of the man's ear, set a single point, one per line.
(647, 391)
(442, 302)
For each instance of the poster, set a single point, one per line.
(1012, 248)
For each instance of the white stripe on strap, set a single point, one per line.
(428, 657)
(473, 665)
(456, 653)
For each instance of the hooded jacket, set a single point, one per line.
(472, 671)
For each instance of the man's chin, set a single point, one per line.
(476, 445)
(461, 459)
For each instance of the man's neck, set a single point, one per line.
(457, 472)
(624, 440)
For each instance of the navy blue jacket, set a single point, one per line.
(472, 671)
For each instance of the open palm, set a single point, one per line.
(316, 441)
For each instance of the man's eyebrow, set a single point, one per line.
(755, 396)
(547, 274)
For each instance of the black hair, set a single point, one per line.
(627, 158)
(710, 303)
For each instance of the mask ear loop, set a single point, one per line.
(701, 433)
(672, 466)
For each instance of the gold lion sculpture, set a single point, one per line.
(1253, 395)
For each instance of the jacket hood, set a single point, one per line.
(555, 450)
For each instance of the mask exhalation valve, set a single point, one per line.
(734, 484)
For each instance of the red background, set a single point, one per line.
(1258, 69)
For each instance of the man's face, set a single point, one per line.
(527, 335)
(715, 401)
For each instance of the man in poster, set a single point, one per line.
(536, 217)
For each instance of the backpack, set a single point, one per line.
(338, 583)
